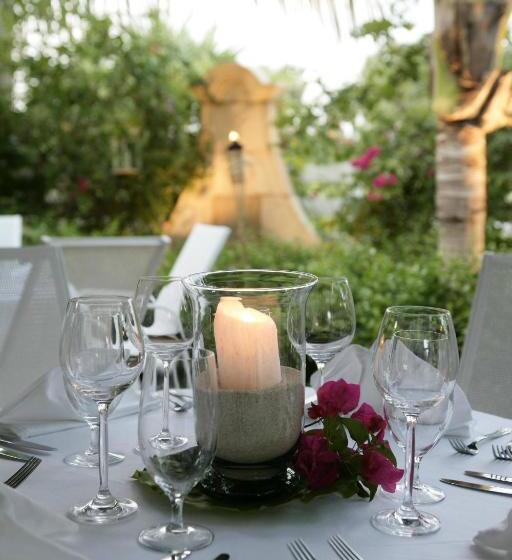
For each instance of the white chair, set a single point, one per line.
(109, 265)
(198, 254)
(11, 230)
(33, 298)
(486, 363)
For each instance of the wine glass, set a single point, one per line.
(330, 320)
(415, 362)
(165, 313)
(430, 427)
(101, 355)
(88, 410)
(177, 470)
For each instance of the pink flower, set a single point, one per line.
(82, 185)
(373, 196)
(378, 470)
(384, 180)
(335, 397)
(316, 462)
(372, 421)
(364, 161)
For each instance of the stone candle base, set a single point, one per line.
(258, 433)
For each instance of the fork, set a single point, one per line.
(343, 549)
(300, 551)
(472, 448)
(501, 452)
(21, 474)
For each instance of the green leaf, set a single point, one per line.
(357, 431)
(335, 433)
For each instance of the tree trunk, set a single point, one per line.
(461, 198)
(470, 98)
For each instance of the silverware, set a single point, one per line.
(479, 487)
(502, 452)
(180, 405)
(300, 551)
(472, 448)
(23, 444)
(490, 476)
(13, 454)
(21, 474)
(343, 549)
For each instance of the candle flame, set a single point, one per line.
(233, 136)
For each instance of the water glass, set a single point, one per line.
(330, 320)
(177, 469)
(165, 312)
(430, 427)
(88, 410)
(101, 355)
(415, 362)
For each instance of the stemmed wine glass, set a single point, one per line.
(430, 427)
(330, 320)
(101, 354)
(88, 410)
(177, 469)
(165, 312)
(415, 362)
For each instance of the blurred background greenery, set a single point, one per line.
(102, 136)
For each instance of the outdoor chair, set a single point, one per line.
(11, 230)
(109, 265)
(486, 363)
(198, 254)
(33, 298)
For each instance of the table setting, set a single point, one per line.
(193, 430)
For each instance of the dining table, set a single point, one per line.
(264, 533)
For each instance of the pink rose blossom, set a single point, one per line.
(335, 397)
(316, 462)
(364, 161)
(373, 196)
(372, 421)
(377, 469)
(384, 180)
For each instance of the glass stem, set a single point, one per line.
(417, 463)
(165, 397)
(104, 498)
(407, 511)
(94, 440)
(320, 368)
(177, 516)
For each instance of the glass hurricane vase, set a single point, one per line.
(254, 323)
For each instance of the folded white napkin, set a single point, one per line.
(497, 539)
(27, 530)
(353, 365)
(46, 408)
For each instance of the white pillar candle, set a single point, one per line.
(247, 347)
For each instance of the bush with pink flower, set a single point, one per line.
(377, 180)
(348, 454)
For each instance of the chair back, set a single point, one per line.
(11, 230)
(198, 254)
(109, 265)
(486, 363)
(33, 298)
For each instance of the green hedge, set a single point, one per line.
(378, 279)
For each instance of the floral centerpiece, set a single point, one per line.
(348, 454)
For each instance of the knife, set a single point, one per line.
(490, 476)
(479, 487)
(26, 445)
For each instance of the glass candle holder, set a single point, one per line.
(254, 323)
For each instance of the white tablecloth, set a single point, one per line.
(265, 533)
